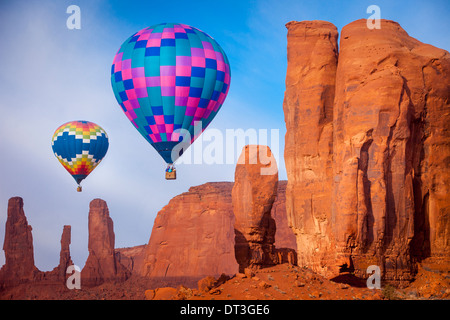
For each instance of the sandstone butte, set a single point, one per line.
(205, 247)
(367, 148)
(192, 236)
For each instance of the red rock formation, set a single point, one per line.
(192, 237)
(59, 272)
(391, 149)
(308, 110)
(64, 256)
(386, 201)
(284, 236)
(131, 258)
(106, 263)
(101, 264)
(18, 246)
(253, 195)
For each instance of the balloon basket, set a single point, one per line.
(171, 175)
(79, 189)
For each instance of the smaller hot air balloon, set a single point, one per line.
(80, 146)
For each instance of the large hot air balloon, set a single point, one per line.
(168, 78)
(80, 146)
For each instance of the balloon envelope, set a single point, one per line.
(168, 77)
(80, 146)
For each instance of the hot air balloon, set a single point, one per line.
(168, 79)
(80, 146)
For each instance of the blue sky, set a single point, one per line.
(51, 75)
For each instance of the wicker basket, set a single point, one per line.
(171, 175)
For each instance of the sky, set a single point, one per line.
(50, 75)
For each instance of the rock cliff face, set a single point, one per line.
(253, 195)
(308, 109)
(101, 264)
(284, 236)
(192, 236)
(385, 189)
(18, 247)
(391, 139)
(131, 258)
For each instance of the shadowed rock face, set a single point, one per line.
(253, 195)
(284, 236)
(131, 258)
(101, 264)
(389, 139)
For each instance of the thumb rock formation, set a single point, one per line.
(254, 192)
(101, 264)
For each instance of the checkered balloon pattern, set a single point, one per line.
(80, 146)
(167, 77)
